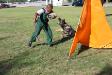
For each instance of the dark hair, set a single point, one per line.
(50, 5)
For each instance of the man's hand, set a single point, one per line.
(35, 17)
(34, 21)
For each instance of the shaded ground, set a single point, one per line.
(16, 58)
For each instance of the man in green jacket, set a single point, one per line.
(41, 22)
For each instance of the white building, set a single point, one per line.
(56, 2)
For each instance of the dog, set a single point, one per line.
(68, 31)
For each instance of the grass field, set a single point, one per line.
(16, 58)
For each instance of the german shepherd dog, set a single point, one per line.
(68, 31)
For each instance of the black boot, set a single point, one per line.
(51, 45)
(30, 44)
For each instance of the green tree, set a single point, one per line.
(33, 0)
(17, 0)
(3, 1)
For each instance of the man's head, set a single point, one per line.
(49, 7)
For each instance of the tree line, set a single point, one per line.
(4, 1)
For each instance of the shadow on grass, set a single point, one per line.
(62, 40)
(107, 70)
(108, 14)
(39, 45)
(16, 62)
(3, 38)
(55, 42)
(82, 48)
(99, 50)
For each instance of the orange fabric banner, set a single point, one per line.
(93, 29)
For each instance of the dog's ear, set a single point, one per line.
(63, 20)
(59, 19)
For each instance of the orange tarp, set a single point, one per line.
(93, 29)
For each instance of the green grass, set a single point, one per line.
(16, 27)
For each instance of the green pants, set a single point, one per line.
(39, 26)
